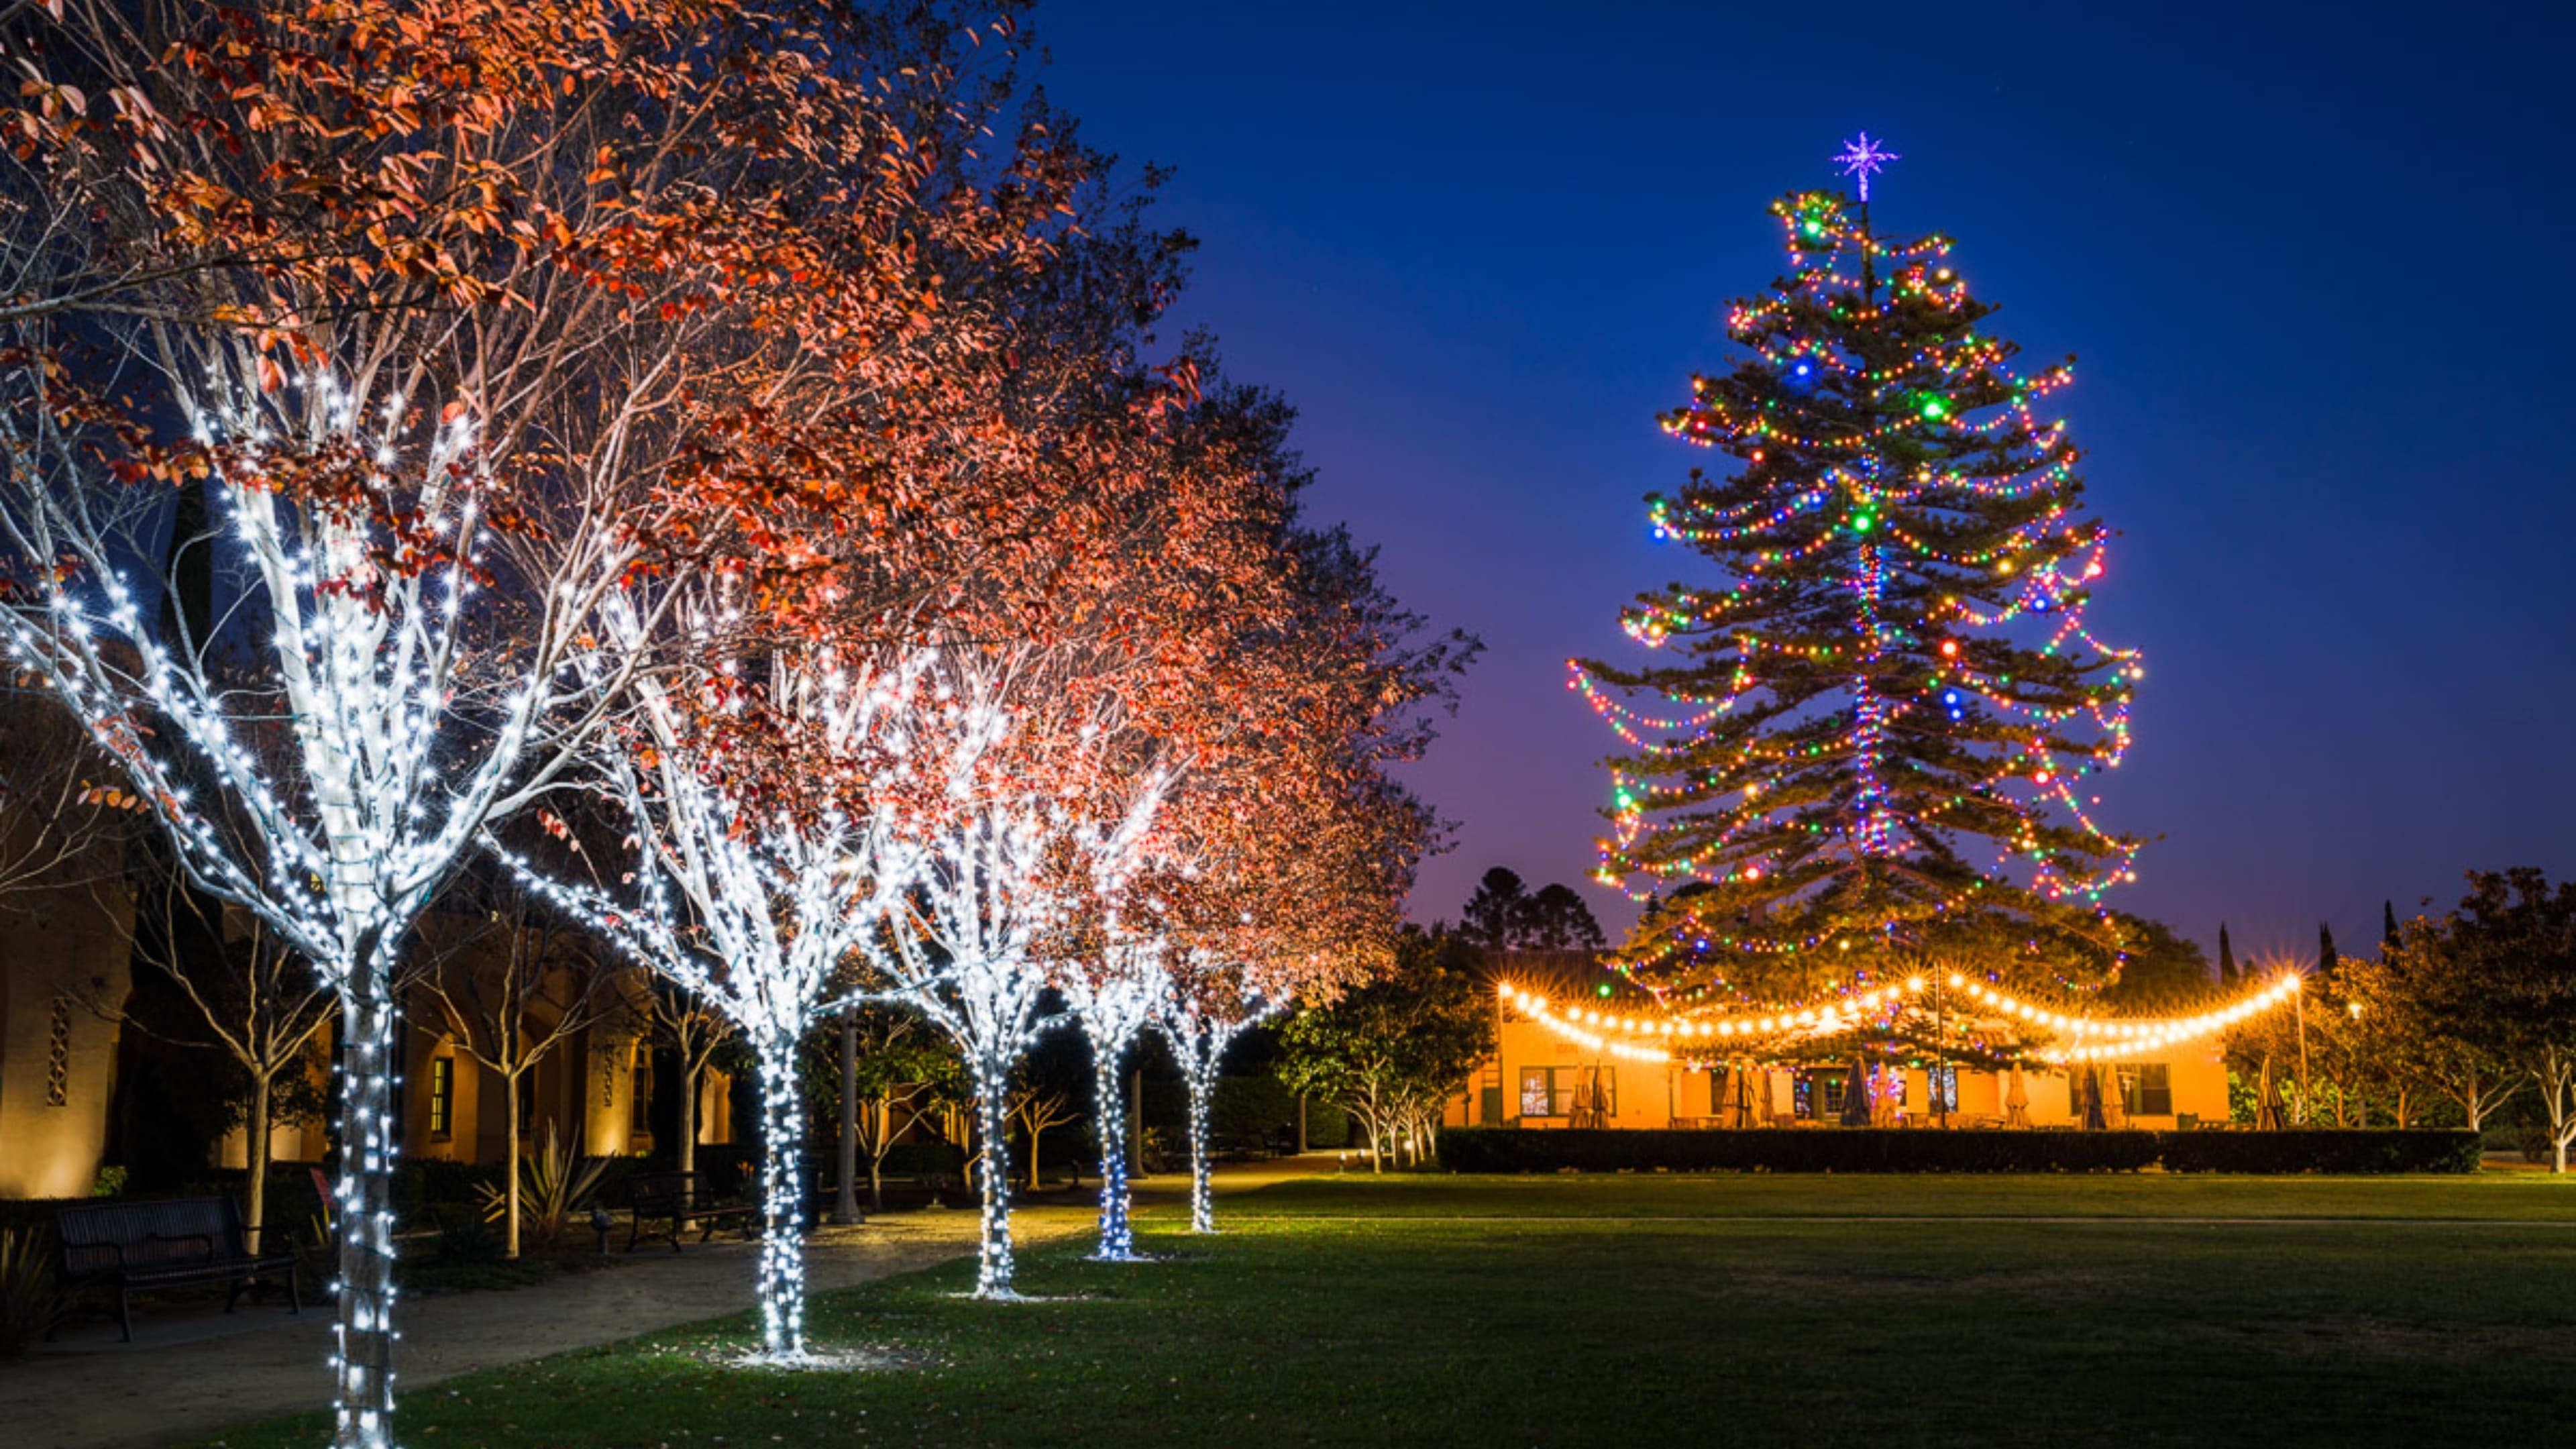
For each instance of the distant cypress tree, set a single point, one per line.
(2226, 958)
(2325, 951)
(2387, 926)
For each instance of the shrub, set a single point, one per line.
(2322, 1149)
(30, 1301)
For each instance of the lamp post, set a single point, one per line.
(2299, 1003)
(2355, 1008)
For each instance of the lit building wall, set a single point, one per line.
(60, 950)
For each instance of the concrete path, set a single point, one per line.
(193, 1371)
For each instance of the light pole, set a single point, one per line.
(2357, 1078)
(2299, 1003)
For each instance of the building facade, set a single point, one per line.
(1543, 1076)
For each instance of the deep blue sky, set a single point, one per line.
(2317, 269)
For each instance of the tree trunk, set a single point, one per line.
(510, 1166)
(782, 1205)
(1301, 1124)
(1109, 1125)
(993, 1176)
(363, 1360)
(255, 1155)
(878, 1142)
(1202, 1077)
(846, 1208)
(688, 1125)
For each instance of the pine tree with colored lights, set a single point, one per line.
(1879, 744)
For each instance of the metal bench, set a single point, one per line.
(677, 1198)
(136, 1246)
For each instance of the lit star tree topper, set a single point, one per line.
(1891, 667)
(1863, 157)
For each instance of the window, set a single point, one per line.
(1537, 1098)
(1837, 1087)
(639, 1117)
(442, 1097)
(1564, 1091)
(58, 1055)
(1945, 1088)
(2147, 1091)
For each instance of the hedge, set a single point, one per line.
(1880, 1149)
(2323, 1149)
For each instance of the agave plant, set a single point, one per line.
(555, 1186)
(30, 1302)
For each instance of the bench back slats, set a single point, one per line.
(659, 1193)
(172, 1232)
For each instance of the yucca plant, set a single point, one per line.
(555, 1185)
(31, 1303)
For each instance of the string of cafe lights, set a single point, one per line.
(1650, 1039)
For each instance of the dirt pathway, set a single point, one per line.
(192, 1370)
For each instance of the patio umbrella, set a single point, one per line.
(2017, 1100)
(2115, 1103)
(1885, 1084)
(1856, 1096)
(2092, 1094)
(1741, 1110)
(2267, 1099)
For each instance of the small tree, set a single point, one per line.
(902, 1068)
(256, 1001)
(1391, 1051)
(694, 1032)
(1042, 1099)
(510, 989)
(2512, 984)
(2411, 1001)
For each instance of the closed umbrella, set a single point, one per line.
(1741, 1108)
(2017, 1100)
(1856, 1096)
(2115, 1103)
(2267, 1099)
(2092, 1094)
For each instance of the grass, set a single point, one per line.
(1648, 1310)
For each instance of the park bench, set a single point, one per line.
(137, 1246)
(678, 1199)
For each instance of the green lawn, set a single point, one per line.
(1650, 1310)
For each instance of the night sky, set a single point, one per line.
(2317, 273)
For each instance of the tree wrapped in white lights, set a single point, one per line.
(1001, 821)
(764, 813)
(1114, 988)
(333, 779)
(1209, 1005)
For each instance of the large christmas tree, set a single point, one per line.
(1878, 748)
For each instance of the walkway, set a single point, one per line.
(194, 1371)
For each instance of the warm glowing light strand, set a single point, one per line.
(1647, 1038)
